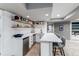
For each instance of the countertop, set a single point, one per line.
(50, 37)
(27, 35)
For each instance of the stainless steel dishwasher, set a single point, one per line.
(34, 38)
(25, 45)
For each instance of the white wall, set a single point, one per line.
(42, 27)
(38, 29)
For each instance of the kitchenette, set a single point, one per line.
(22, 34)
(26, 37)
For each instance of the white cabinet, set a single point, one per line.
(6, 33)
(30, 41)
(38, 37)
(1, 29)
(7, 46)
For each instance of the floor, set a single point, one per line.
(71, 49)
(35, 51)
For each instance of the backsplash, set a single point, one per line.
(22, 30)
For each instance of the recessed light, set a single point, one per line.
(27, 16)
(46, 15)
(58, 15)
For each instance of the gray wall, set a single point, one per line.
(66, 31)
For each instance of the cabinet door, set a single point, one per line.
(7, 48)
(30, 41)
(1, 30)
(38, 37)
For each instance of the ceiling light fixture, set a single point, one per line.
(27, 16)
(58, 15)
(46, 15)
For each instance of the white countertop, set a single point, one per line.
(26, 35)
(50, 37)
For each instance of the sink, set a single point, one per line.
(18, 35)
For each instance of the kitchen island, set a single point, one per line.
(46, 44)
(23, 44)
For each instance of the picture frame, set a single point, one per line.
(61, 27)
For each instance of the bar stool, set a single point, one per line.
(59, 46)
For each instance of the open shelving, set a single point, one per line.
(18, 23)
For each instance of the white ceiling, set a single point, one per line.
(38, 14)
(63, 9)
(18, 8)
(73, 15)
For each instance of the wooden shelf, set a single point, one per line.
(23, 24)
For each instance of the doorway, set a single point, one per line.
(50, 27)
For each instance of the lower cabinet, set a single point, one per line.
(18, 46)
(30, 41)
(38, 37)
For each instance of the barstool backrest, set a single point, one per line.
(63, 41)
(58, 35)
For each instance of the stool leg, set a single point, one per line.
(55, 51)
(62, 51)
